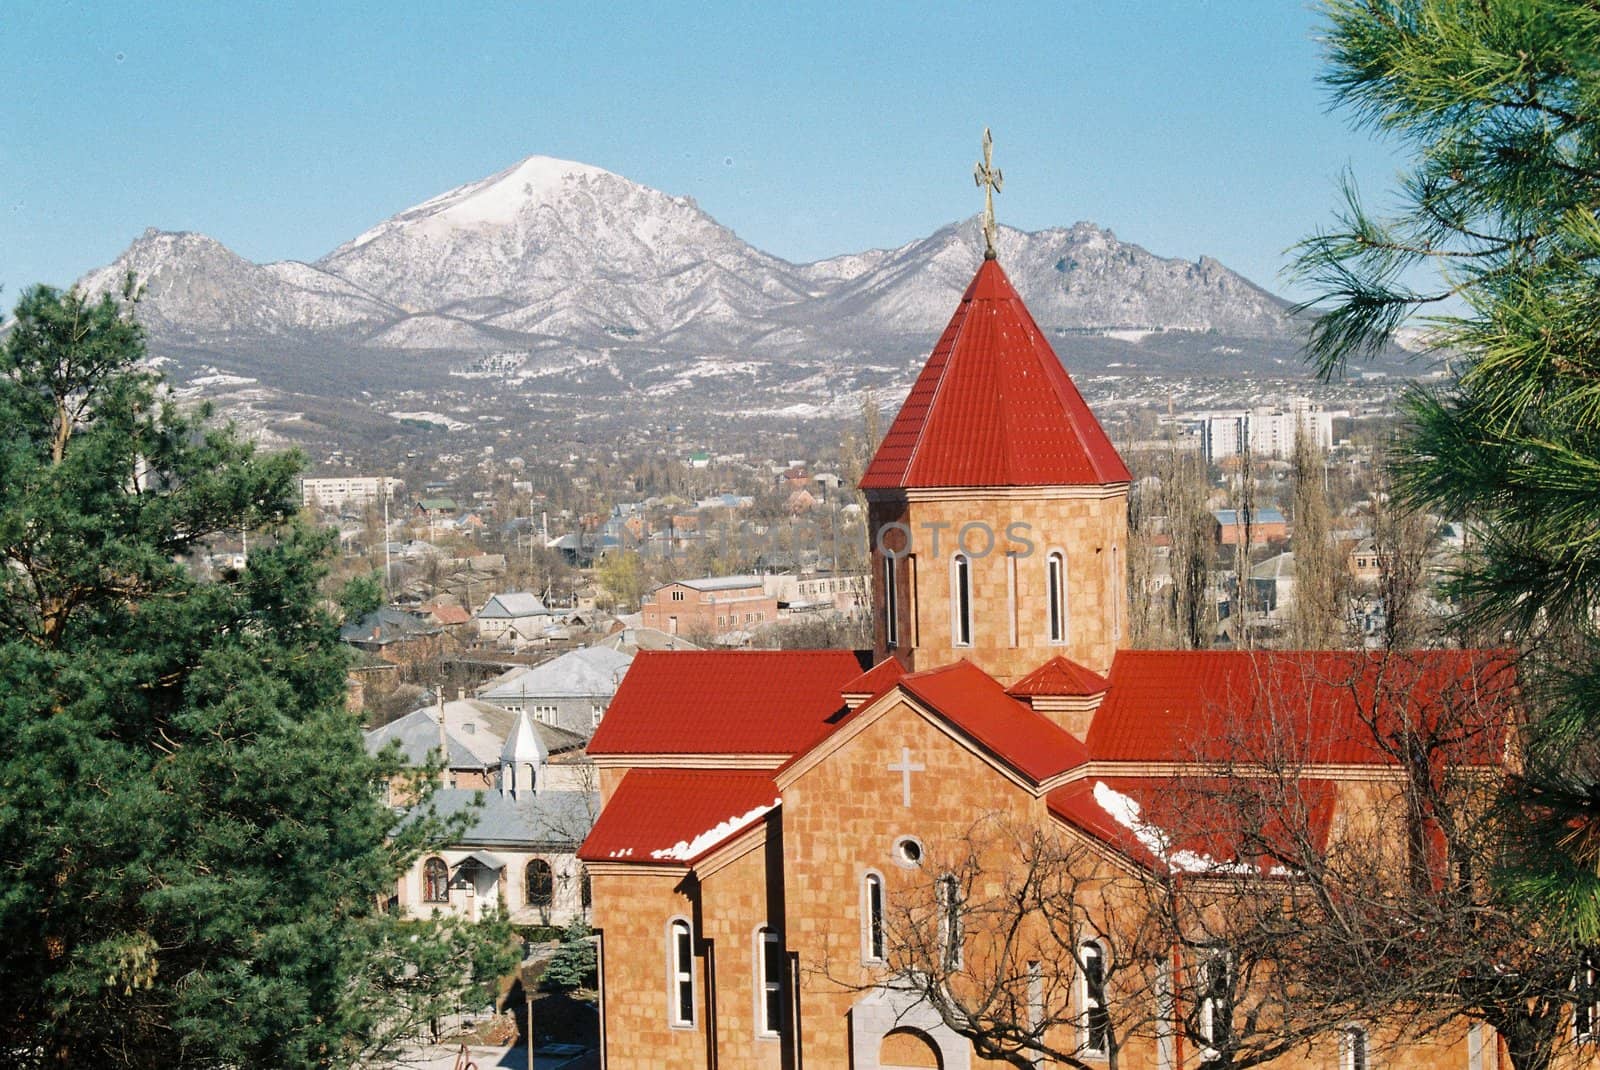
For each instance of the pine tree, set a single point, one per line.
(1498, 104)
(195, 850)
(574, 963)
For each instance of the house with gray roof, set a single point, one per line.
(518, 850)
(514, 619)
(475, 736)
(570, 691)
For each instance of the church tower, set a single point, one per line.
(997, 505)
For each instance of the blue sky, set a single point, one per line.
(811, 129)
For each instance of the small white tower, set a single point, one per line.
(521, 759)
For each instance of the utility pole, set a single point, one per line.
(388, 578)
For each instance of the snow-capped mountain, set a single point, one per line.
(1075, 277)
(195, 287)
(556, 258)
(557, 247)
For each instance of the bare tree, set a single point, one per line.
(1258, 904)
(1319, 618)
(1002, 936)
(1376, 904)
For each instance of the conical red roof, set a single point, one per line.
(994, 408)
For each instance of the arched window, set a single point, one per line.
(435, 881)
(541, 885)
(1055, 567)
(769, 981)
(891, 603)
(680, 958)
(1094, 1022)
(585, 888)
(872, 918)
(951, 932)
(961, 600)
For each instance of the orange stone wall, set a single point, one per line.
(841, 821)
(633, 910)
(1090, 531)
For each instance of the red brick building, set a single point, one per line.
(711, 606)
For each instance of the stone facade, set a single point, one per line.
(1008, 539)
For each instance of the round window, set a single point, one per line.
(908, 852)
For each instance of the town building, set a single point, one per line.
(711, 606)
(347, 492)
(1266, 431)
(526, 794)
(570, 691)
(767, 814)
(513, 619)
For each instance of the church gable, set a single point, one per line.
(972, 709)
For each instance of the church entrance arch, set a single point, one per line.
(896, 1031)
(909, 1049)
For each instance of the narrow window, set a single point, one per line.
(1011, 598)
(1035, 995)
(1056, 578)
(891, 603)
(1353, 1048)
(540, 883)
(585, 888)
(770, 977)
(961, 600)
(435, 881)
(1586, 998)
(1095, 1021)
(1215, 984)
(950, 930)
(681, 952)
(872, 918)
(911, 592)
(1117, 594)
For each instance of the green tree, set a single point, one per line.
(196, 853)
(574, 963)
(1498, 104)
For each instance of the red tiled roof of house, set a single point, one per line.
(876, 680)
(450, 614)
(1059, 676)
(672, 817)
(725, 701)
(993, 407)
(975, 703)
(1332, 707)
(1199, 824)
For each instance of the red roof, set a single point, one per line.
(1302, 706)
(1194, 824)
(975, 703)
(1062, 677)
(672, 817)
(993, 407)
(725, 701)
(876, 680)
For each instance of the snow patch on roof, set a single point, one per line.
(687, 850)
(1126, 811)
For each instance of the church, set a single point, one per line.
(764, 813)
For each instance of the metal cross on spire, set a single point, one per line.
(988, 176)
